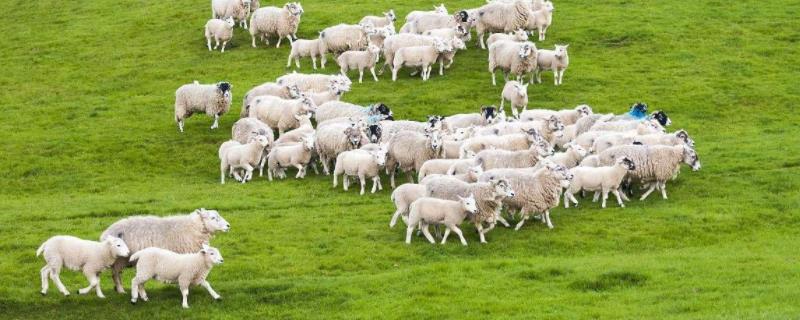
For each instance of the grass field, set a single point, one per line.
(89, 138)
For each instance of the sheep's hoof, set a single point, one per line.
(133, 302)
(43, 293)
(218, 298)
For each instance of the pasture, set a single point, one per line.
(89, 138)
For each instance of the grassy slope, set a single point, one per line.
(89, 138)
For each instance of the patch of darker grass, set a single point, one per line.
(610, 281)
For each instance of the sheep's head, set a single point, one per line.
(469, 204)
(532, 134)
(548, 6)
(555, 124)
(434, 122)
(690, 157)
(436, 140)
(230, 22)
(683, 135)
(211, 254)
(308, 141)
(379, 156)
(294, 8)
(307, 104)
(225, 87)
(662, 118)
(522, 89)
(343, 81)
(374, 132)
(375, 50)
(353, 135)
(521, 35)
(303, 119)
(489, 113)
(638, 110)
(367, 28)
(440, 9)
(526, 50)
(260, 137)
(441, 46)
(560, 172)
(502, 188)
(561, 50)
(458, 44)
(212, 221)
(475, 171)
(584, 110)
(461, 16)
(382, 109)
(626, 163)
(542, 148)
(578, 149)
(117, 246)
(461, 31)
(390, 15)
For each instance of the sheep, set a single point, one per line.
(294, 136)
(654, 164)
(585, 123)
(488, 196)
(90, 257)
(236, 9)
(351, 60)
(541, 18)
(440, 166)
(485, 117)
(166, 266)
(517, 94)
(571, 157)
(409, 150)
(314, 82)
(567, 116)
(426, 211)
(234, 155)
(213, 99)
(492, 159)
(402, 197)
(363, 164)
(388, 19)
(334, 139)
(447, 58)
(392, 128)
(549, 130)
(518, 36)
(280, 113)
(334, 93)
(379, 35)
(273, 21)
(290, 91)
(472, 175)
(672, 139)
(246, 128)
(344, 37)
(219, 30)
(555, 60)
(414, 15)
(517, 58)
(501, 17)
(643, 127)
(180, 233)
(512, 142)
(306, 48)
(603, 179)
(448, 33)
(419, 56)
(394, 42)
(432, 21)
(296, 155)
(590, 161)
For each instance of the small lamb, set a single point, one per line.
(362, 164)
(293, 155)
(517, 94)
(91, 257)
(166, 266)
(603, 179)
(555, 60)
(419, 56)
(352, 60)
(302, 48)
(234, 155)
(426, 211)
(402, 197)
(388, 19)
(219, 30)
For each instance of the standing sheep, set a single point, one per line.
(555, 60)
(388, 19)
(236, 9)
(419, 56)
(517, 94)
(599, 179)
(314, 82)
(485, 117)
(234, 155)
(362, 164)
(306, 48)
(494, 159)
(296, 155)
(427, 211)
(409, 150)
(213, 99)
(541, 18)
(414, 15)
(402, 197)
(335, 138)
(433, 21)
(501, 17)
(280, 113)
(448, 33)
(518, 36)
(517, 58)
(273, 21)
(219, 30)
(90, 257)
(567, 116)
(654, 164)
(268, 89)
(344, 37)
(396, 41)
(351, 60)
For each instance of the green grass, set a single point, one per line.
(88, 138)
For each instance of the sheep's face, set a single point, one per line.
(212, 221)
(561, 51)
(461, 31)
(489, 113)
(230, 22)
(543, 148)
(211, 254)
(525, 51)
(469, 204)
(353, 136)
(638, 110)
(662, 118)
(502, 188)
(555, 124)
(580, 151)
(532, 134)
(461, 134)
(461, 16)
(436, 140)
(343, 81)
(308, 105)
(118, 247)
(442, 46)
(521, 35)
(627, 163)
(294, 8)
(390, 15)
(308, 142)
(382, 109)
(440, 9)
(374, 133)
(690, 157)
(548, 6)
(458, 44)
(684, 136)
(475, 171)
(560, 172)
(435, 122)
(379, 157)
(303, 119)
(225, 87)
(262, 140)
(522, 90)
(584, 110)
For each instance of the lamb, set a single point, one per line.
(246, 128)
(90, 257)
(517, 94)
(472, 175)
(351, 60)
(513, 142)
(518, 36)
(293, 155)
(234, 155)
(334, 93)
(541, 18)
(590, 161)
(213, 99)
(672, 139)
(379, 35)
(363, 164)
(555, 60)
(654, 164)
(306, 48)
(414, 15)
(166, 266)
(280, 113)
(334, 139)
(448, 33)
(517, 58)
(268, 89)
(571, 157)
(236, 9)
(602, 179)
(409, 150)
(419, 56)
(402, 197)
(432, 21)
(501, 17)
(344, 37)
(314, 82)
(492, 159)
(219, 30)
(294, 136)
(440, 166)
(567, 116)
(388, 19)
(426, 211)
(394, 42)
(485, 117)
(181, 234)
(273, 21)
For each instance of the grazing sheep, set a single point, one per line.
(517, 94)
(268, 89)
(493, 159)
(280, 113)
(236, 9)
(335, 138)
(598, 179)
(213, 99)
(419, 56)
(90, 257)
(511, 142)
(518, 36)
(541, 18)
(181, 233)
(166, 266)
(654, 164)
(409, 150)
(234, 155)
(517, 58)
(567, 116)
(414, 15)
(388, 19)
(273, 21)
(426, 211)
(360, 60)
(219, 30)
(554, 60)
(296, 155)
(306, 48)
(314, 82)
(472, 175)
(362, 164)
(402, 197)
(501, 17)
(344, 37)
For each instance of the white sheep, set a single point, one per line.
(440, 166)
(501, 17)
(448, 33)
(219, 30)
(419, 56)
(212, 99)
(379, 35)
(296, 155)
(334, 93)
(655, 165)
(402, 197)
(513, 57)
(166, 266)
(426, 211)
(236, 9)
(571, 157)
(335, 138)
(306, 48)
(433, 21)
(360, 60)
(245, 129)
(396, 41)
(388, 19)
(294, 136)
(180, 233)
(446, 58)
(549, 129)
(392, 128)
(273, 21)
(268, 89)
(517, 94)
(362, 164)
(518, 36)
(472, 175)
(414, 15)
(493, 159)
(553, 60)
(668, 139)
(641, 127)
(409, 150)
(541, 18)
(90, 257)
(343, 37)
(598, 179)
(234, 155)
(314, 81)
(590, 161)
(567, 116)
(485, 117)
(511, 142)
(280, 113)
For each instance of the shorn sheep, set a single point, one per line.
(517, 58)
(212, 99)
(359, 60)
(420, 56)
(166, 266)
(427, 211)
(600, 179)
(296, 155)
(234, 155)
(517, 94)
(219, 30)
(236, 9)
(273, 21)
(268, 89)
(655, 165)
(90, 257)
(181, 233)
(362, 164)
(396, 41)
(306, 48)
(553, 60)
(409, 150)
(501, 17)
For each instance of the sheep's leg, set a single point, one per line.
(92, 278)
(135, 283)
(378, 180)
(502, 101)
(279, 42)
(605, 196)
(248, 173)
(619, 198)
(261, 166)
(375, 182)
(446, 234)
(45, 271)
(116, 270)
(427, 232)
(289, 61)
(538, 76)
(57, 280)
(372, 70)
(547, 217)
(572, 197)
(360, 75)
(237, 176)
(223, 45)
(185, 295)
(253, 38)
(663, 187)
(322, 61)
(210, 290)
(216, 122)
(363, 181)
(521, 221)
(480, 38)
(409, 231)
(222, 169)
(313, 62)
(180, 125)
(649, 190)
(345, 181)
(216, 43)
(441, 68)
(208, 43)
(502, 220)
(394, 73)
(396, 215)
(596, 196)
(494, 81)
(458, 232)
(561, 76)
(301, 171)
(566, 199)
(505, 76)
(335, 179)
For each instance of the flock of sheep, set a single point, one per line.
(484, 167)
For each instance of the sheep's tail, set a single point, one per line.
(135, 256)
(41, 249)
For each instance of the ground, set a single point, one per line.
(89, 138)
